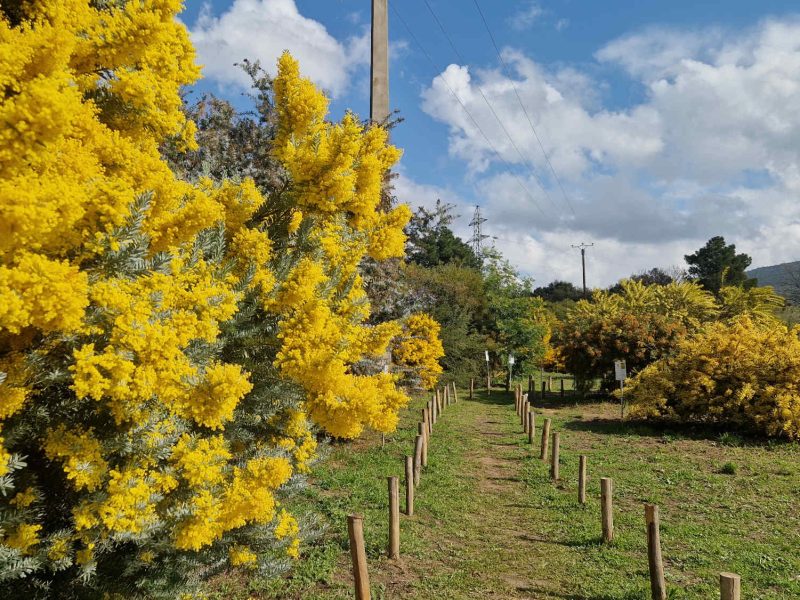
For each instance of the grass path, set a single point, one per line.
(490, 524)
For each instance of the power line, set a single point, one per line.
(466, 110)
(525, 161)
(522, 105)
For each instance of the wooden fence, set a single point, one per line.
(550, 448)
(413, 468)
(729, 583)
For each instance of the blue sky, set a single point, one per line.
(665, 122)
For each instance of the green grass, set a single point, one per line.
(489, 522)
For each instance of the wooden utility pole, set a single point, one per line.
(583, 248)
(379, 65)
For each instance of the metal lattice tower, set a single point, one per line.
(477, 236)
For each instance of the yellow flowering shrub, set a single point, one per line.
(336, 171)
(421, 348)
(642, 323)
(165, 360)
(744, 375)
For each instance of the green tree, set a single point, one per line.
(557, 291)
(716, 265)
(431, 242)
(519, 321)
(455, 297)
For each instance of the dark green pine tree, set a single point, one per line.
(716, 265)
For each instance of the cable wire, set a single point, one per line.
(522, 105)
(466, 110)
(525, 161)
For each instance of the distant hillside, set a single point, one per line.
(785, 278)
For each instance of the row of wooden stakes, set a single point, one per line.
(729, 583)
(443, 398)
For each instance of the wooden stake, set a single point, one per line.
(530, 384)
(562, 387)
(582, 478)
(423, 432)
(554, 457)
(488, 384)
(393, 550)
(531, 426)
(426, 418)
(545, 439)
(446, 396)
(543, 387)
(455, 393)
(471, 388)
(419, 444)
(410, 486)
(730, 586)
(607, 508)
(526, 407)
(355, 530)
(658, 588)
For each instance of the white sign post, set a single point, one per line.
(488, 374)
(621, 374)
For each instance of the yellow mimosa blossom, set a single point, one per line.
(421, 347)
(24, 498)
(80, 454)
(296, 221)
(24, 537)
(242, 556)
(59, 549)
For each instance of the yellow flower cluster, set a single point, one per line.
(743, 374)
(242, 556)
(59, 549)
(295, 437)
(152, 320)
(13, 391)
(80, 454)
(36, 291)
(24, 498)
(421, 348)
(287, 528)
(201, 461)
(24, 537)
(130, 505)
(248, 498)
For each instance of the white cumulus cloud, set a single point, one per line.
(713, 148)
(262, 30)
